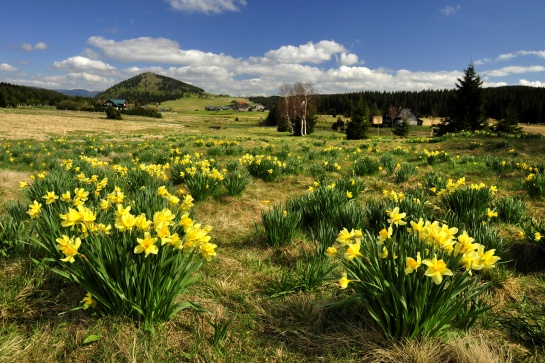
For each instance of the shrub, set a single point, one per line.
(113, 114)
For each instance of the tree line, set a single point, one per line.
(499, 102)
(13, 95)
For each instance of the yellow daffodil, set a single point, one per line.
(34, 209)
(412, 264)
(69, 247)
(491, 213)
(537, 236)
(352, 251)
(331, 251)
(22, 184)
(436, 269)
(384, 234)
(344, 237)
(471, 261)
(146, 245)
(66, 197)
(396, 217)
(88, 301)
(348, 195)
(344, 281)
(208, 250)
(487, 259)
(384, 253)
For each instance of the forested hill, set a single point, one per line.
(149, 88)
(12, 95)
(527, 102)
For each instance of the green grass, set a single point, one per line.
(247, 324)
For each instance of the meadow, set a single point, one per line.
(250, 267)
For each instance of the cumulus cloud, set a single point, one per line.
(4, 67)
(306, 53)
(450, 10)
(328, 64)
(524, 82)
(156, 50)
(30, 48)
(206, 6)
(348, 59)
(84, 64)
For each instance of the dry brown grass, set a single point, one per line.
(9, 183)
(16, 126)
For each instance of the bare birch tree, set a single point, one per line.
(286, 93)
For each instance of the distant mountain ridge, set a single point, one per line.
(149, 88)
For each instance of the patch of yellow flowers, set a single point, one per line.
(436, 237)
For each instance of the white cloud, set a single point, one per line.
(539, 53)
(509, 56)
(348, 59)
(156, 50)
(524, 82)
(4, 67)
(502, 72)
(30, 48)
(83, 64)
(328, 64)
(206, 6)
(450, 10)
(306, 53)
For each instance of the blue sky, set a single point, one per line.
(250, 47)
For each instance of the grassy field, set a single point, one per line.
(264, 305)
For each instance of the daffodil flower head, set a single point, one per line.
(396, 217)
(412, 264)
(146, 245)
(384, 234)
(344, 281)
(436, 269)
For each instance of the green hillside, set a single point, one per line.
(193, 103)
(149, 88)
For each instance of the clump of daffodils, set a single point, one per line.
(414, 277)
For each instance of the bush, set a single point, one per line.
(401, 129)
(143, 111)
(113, 114)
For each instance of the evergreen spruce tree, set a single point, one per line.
(466, 110)
(402, 128)
(510, 123)
(358, 128)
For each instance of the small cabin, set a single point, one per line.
(119, 104)
(402, 114)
